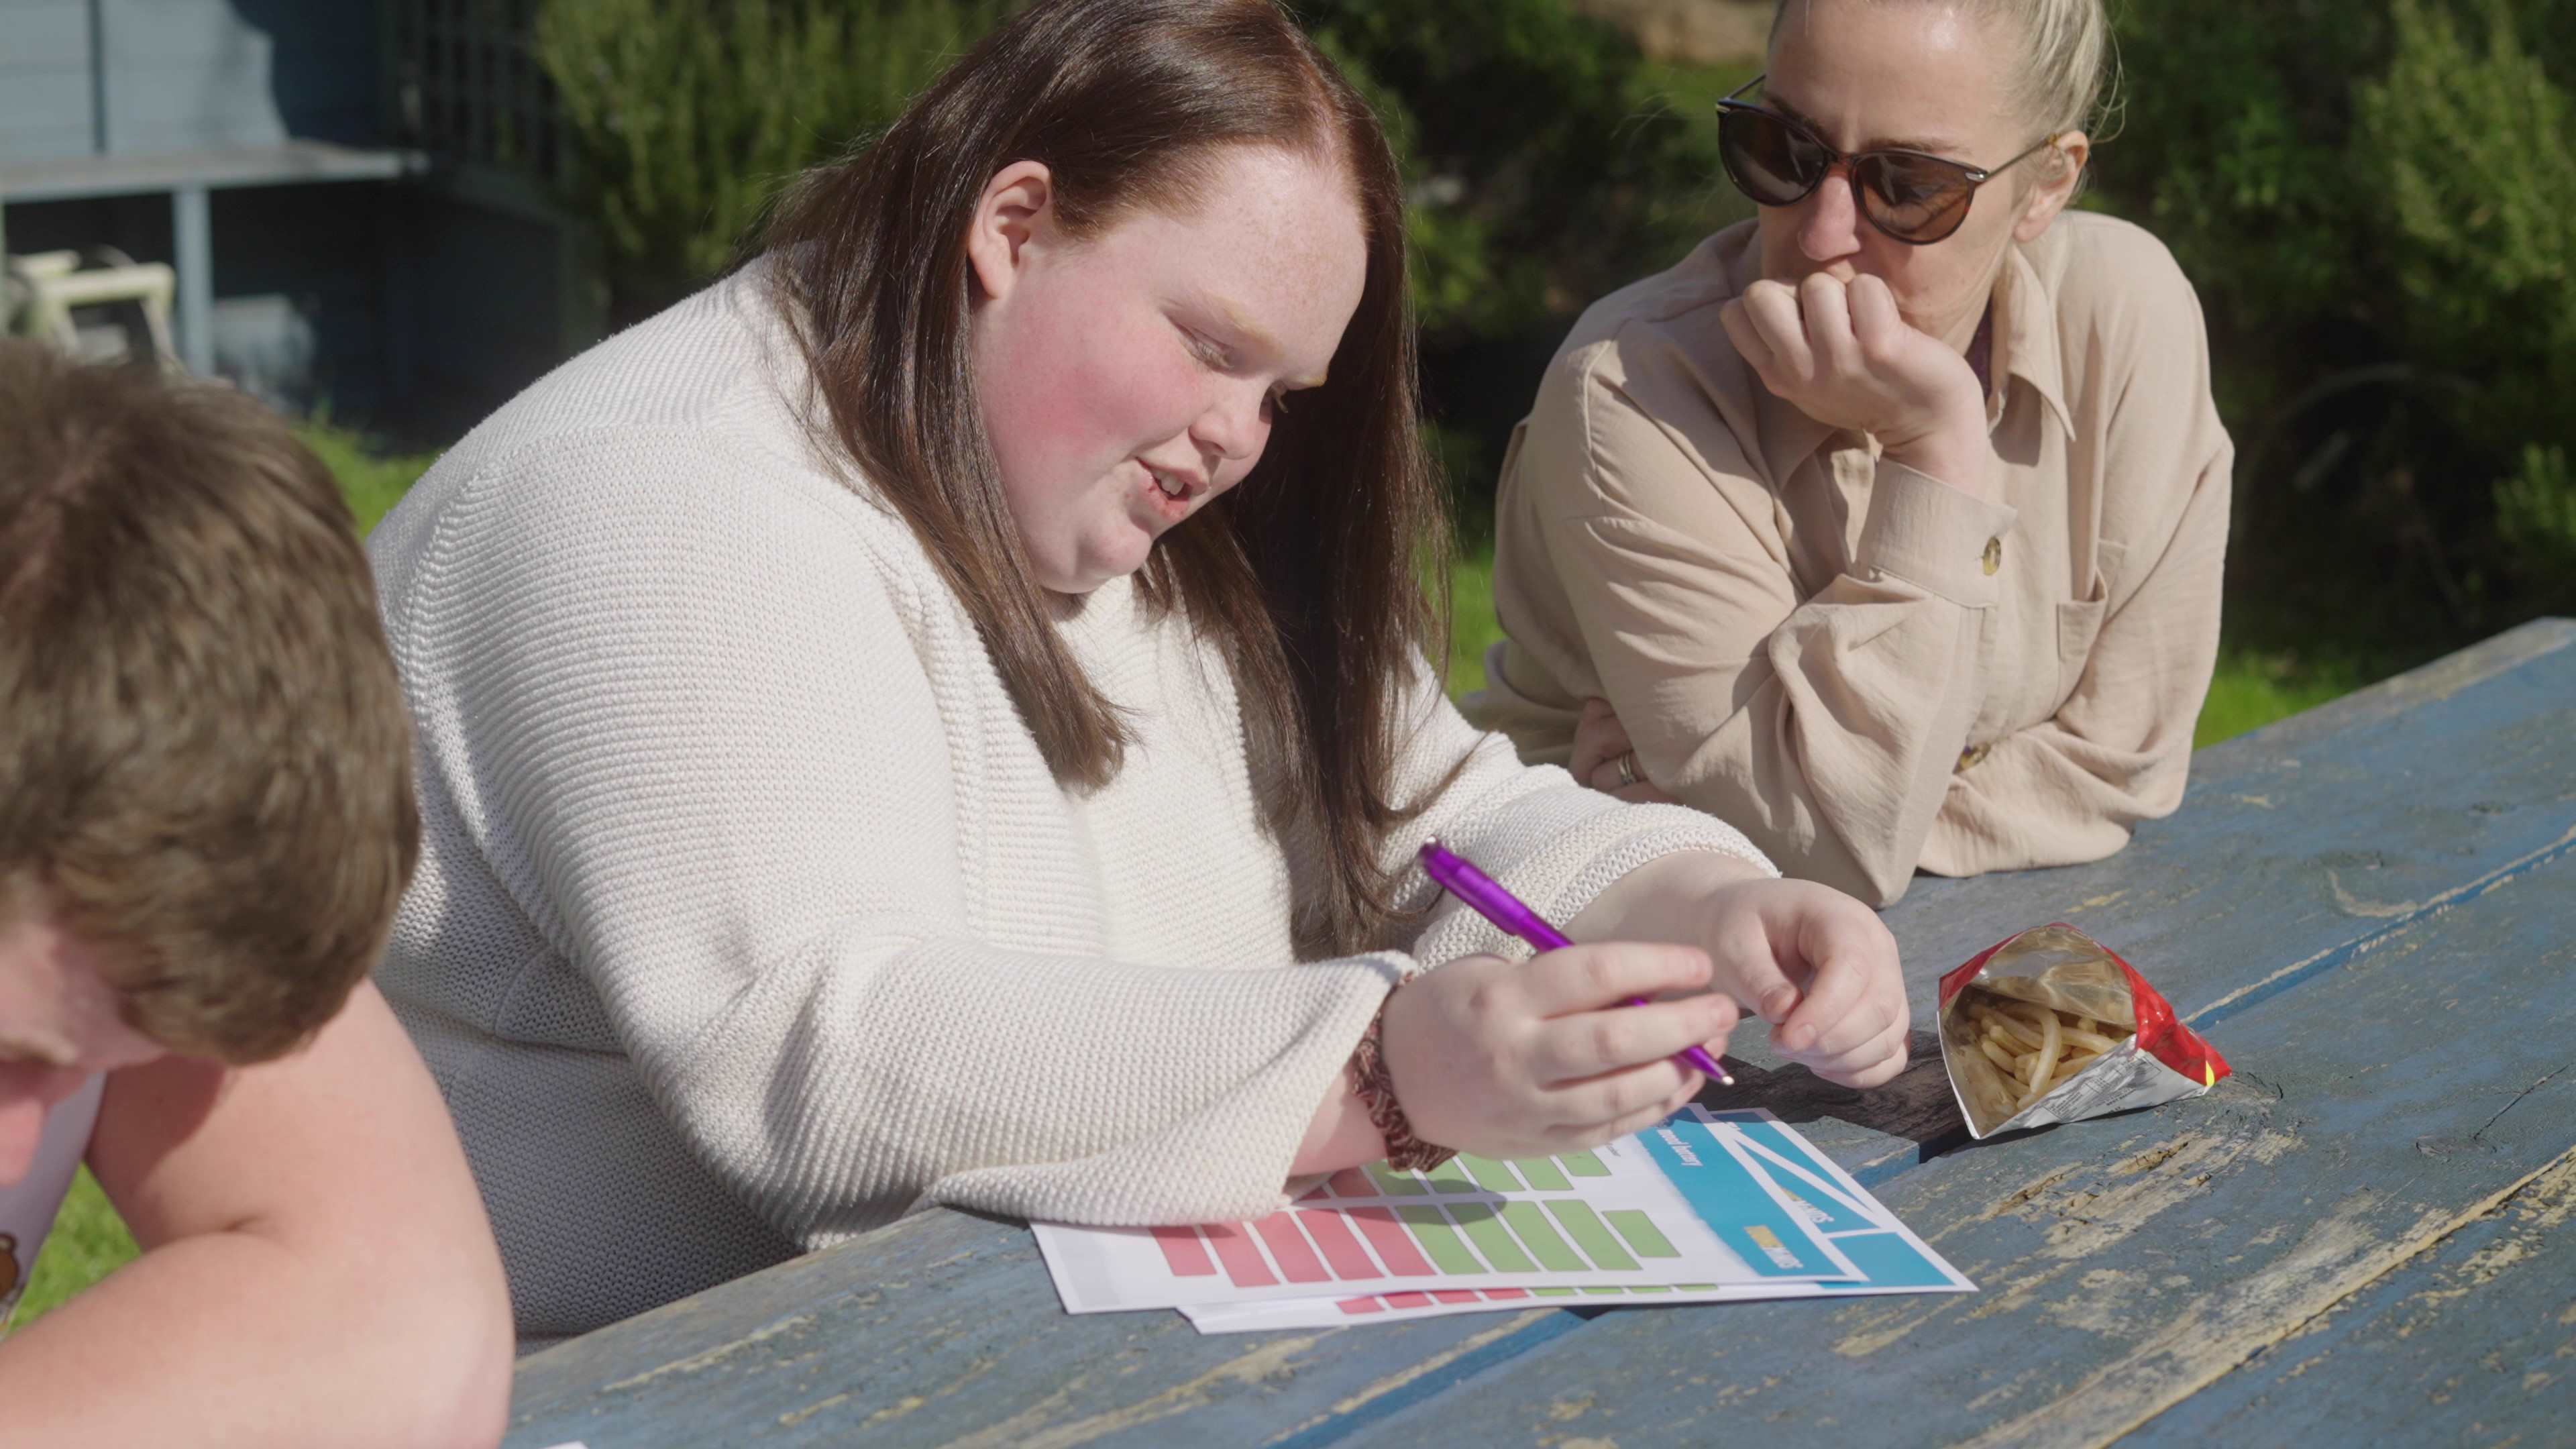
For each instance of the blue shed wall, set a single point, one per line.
(147, 77)
(48, 101)
(416, 307)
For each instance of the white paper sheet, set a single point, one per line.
(1672, 1205)
(1888, 1255)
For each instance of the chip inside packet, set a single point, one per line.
(2050, 1025)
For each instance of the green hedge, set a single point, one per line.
(686, 116)
(2377, 201)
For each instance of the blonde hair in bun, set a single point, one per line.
(2066, 77)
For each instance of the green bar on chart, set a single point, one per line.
(1583, 1164)
(1551, 1251)
(1450, 1177)
(1439, 1240)
(1551, 1292)
(1650, 1288)
(1541, 1174)
(1494, 1176)
(1394, 1183)
(1486, 1231)
(1583, 1225)
(1641, 1234)
(1606, 1292)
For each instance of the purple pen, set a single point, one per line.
(1513, 914)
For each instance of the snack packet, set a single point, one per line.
(2050, 1025)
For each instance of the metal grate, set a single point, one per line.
(466, 86)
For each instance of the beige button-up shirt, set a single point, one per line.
(1864, 669)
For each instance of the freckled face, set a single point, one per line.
(1868, 76)
(1129, 377)
(58, 1027)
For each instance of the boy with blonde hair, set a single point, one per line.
(206, 819)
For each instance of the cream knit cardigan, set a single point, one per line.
(750, 918)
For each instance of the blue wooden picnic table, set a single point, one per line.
(2363, 1236)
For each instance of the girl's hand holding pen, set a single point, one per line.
(1525, 1059)
(1567, 1050)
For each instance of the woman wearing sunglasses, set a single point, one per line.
(1888, 525)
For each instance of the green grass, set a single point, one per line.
(89, 1241)
(372, 482)
(2252, 687)
(1472, 627)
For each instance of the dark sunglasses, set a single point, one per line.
(1913, 196)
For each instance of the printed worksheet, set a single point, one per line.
(1890, 1258)
(1681, 1203)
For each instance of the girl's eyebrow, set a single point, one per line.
(1934, 146)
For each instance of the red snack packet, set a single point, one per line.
(1999, 1005)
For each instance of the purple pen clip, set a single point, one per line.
(1487, 898)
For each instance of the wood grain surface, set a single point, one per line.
(2370, 909)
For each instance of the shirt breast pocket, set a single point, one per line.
(2079, 626)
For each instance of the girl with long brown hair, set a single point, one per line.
(943, 716)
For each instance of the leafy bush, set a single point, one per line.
(2482, 191)
(2536, 519)
(1547, 167)
(2377, 201)
(1550, 164)
(686, 116)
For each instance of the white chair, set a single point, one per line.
(99, 306)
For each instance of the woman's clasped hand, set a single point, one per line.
(1840, 352)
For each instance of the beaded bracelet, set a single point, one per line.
(1404, 1151)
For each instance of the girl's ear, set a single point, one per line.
(1017, 205)
(2051, 195)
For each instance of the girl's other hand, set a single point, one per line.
(1820, 967)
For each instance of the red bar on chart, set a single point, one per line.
(1408, 1300)
(1394, 1245)
(1183, 1253)
(1505, 1295)
(1455, 1295)
(1288, 1248)
(1351, 1182)
(1359, 1305)
(1240, 1255)
(1343, 1251)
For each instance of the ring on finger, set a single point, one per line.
(1628, 775)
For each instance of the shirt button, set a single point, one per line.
(1994, 556)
